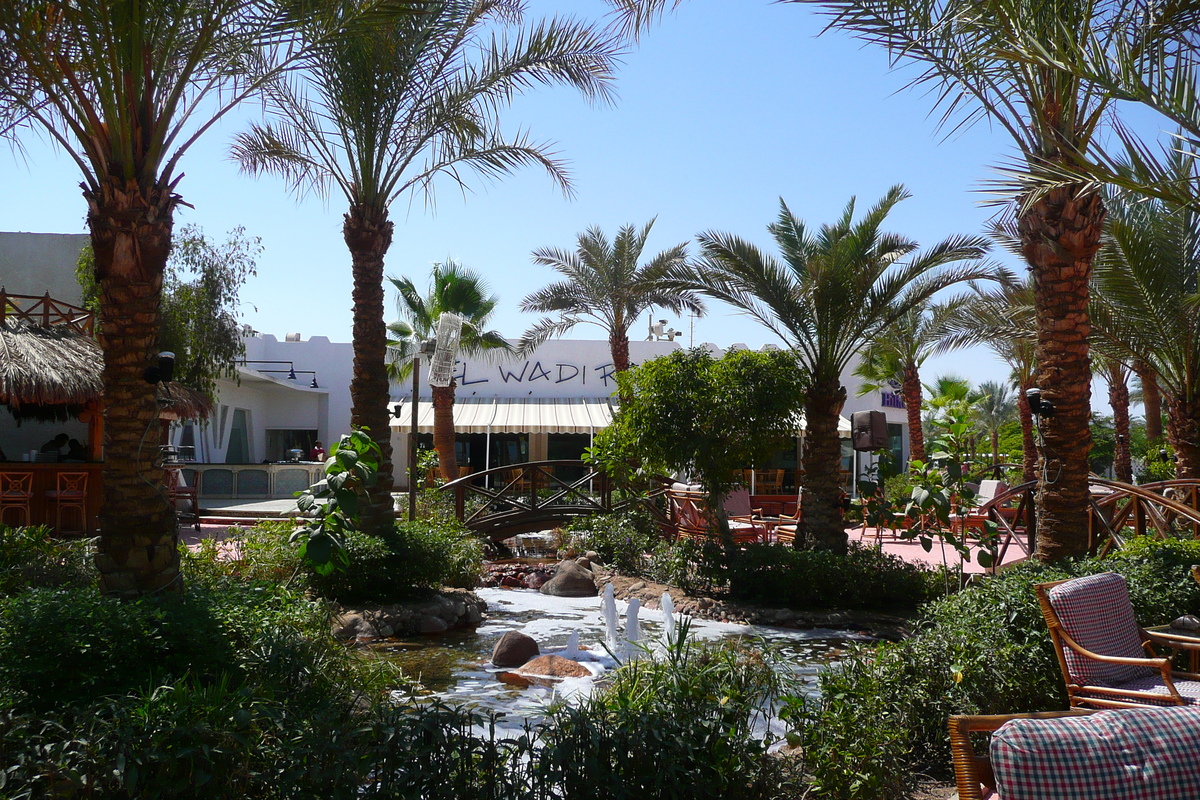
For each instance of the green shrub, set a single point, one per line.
(411, 559)
(621, 540)
(984, 650)
(30, 558)
(864, 577)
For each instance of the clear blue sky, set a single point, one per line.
(723, 109)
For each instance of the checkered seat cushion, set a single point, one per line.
(1127, 754)
(1096, 613)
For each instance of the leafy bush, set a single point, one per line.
(30, 558)
(862, 578)
(984, 650)
(412, 558)
(622, 540)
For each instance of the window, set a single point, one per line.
(280, 441)
(238, 451)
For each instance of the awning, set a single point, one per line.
(506, 415)
(843, 425)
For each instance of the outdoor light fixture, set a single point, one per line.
(1038, 406)
(397, 410)
(162, 370)
(314, 385)
(292, 374)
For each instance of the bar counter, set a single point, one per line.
(45, 480)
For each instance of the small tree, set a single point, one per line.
(691, 413)
(198, 315)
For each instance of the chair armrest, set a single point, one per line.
(971, 771)
(1163, 664)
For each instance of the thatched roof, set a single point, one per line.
(51, 373)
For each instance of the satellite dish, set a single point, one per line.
(441, 366)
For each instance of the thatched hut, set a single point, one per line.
(54, 373)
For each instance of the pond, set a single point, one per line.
(456, 667)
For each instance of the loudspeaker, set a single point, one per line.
(868, 430)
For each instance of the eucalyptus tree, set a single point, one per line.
(125, 88)
(387, 109)
(836, 288)
(1148, 304)
(995, 407)
(457, 290)
(896, 354)
(965, 50)
(603, 284)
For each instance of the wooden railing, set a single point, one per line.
(519, 498)
(45, 311)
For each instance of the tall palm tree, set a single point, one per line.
(1002, 319)
(898, 353)
(1116, 375)
(835, 289)
(125, 88)
(1148, 303)
(390, 108)
(993, 410)
(1148, 395)
(604, 284)
(965, 49)
(457, 290)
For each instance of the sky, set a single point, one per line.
(723, 109)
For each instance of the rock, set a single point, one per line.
(354, 626)
(474, 615)
(584, 562)
(514, 649)
(554, 667)
(704, 602)
(592, 556)
(570, 580)
(636, 587)
(535, 580)
(511, 581)
(432, 625)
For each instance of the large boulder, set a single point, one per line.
(570, 580)
(514, 649)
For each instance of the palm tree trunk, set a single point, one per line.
(995, 433)
(821, 500)
(443, 430)
(1183, 432)
(1118, 398)
(911, 388)
(368, 235)
(1151, 400)
(1060, 235)
(618, 346)
(137, 552)
(1029, 454)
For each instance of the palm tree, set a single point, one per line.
(950, 400)
(1116, 375)
(386, 111)
(603, 284)
(1146, 393)
(1148, 304)
(965, 49)
(898, 353)
(993, 410)
(458, 290)
(836, 288)
(125, 89)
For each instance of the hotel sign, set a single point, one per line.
(892, 399)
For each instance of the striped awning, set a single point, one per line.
(508, 415)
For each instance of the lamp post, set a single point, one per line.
(423, 349)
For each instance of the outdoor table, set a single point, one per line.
(1176, 639)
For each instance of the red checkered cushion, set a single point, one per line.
(1127, 754)
(1095, 611)
(1188, 690)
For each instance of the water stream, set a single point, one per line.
(456, 667)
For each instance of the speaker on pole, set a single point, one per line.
(868, 430)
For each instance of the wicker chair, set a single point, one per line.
(71, 495)
(973, 771)
(693, 519)
(1102, 651)
(16, 494)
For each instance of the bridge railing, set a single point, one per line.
(521, 497)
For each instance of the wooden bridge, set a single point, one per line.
(519, 498)
(1116, 511)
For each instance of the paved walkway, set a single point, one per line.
(910, 550)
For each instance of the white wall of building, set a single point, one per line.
(37, 263)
